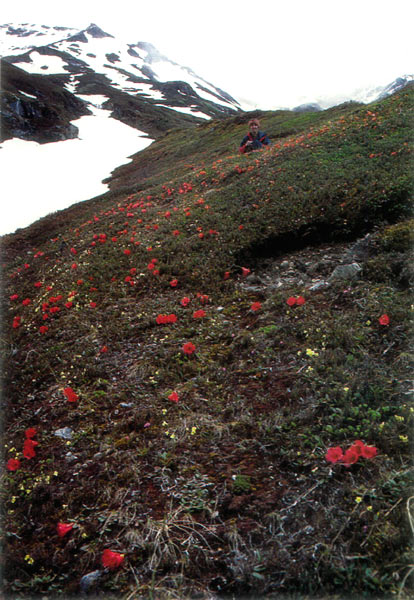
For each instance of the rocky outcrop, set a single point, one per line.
(37, 108)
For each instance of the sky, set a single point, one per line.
(273, 53)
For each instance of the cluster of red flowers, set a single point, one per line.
(354, 452)
(111, 559)
(165, 319)
(189, 348)
(174, 397)
(299, 300)
(384, 320)
(70, 395)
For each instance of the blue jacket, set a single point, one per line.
(259, 142)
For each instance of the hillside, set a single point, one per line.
(213, 359)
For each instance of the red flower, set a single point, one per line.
(384, 320)
(291, 301)
(70, 394)
(30, 433)
(92, 304)
(26, 302)
(29, 448)
(256, 306)
(69, 304)
(104, 349)
(174, 283)
(43, 328)
(369, 451)
(358, 446)
(16, 322)
(112, 560)
(173, 397)
(300, 300)
(127, 252)
(14, 296)
(351, 456)
(334, 454)
(38, 284)
(189, 348)
(74, 266)
(176, 232)
(63, 528)
(13, 464)
(199, 314)
(245, 271)
(185, 301)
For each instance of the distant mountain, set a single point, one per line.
(51, 74)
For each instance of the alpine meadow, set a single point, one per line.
(207, 377)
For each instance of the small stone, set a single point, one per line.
(319, 285)
(66, 433)
(89, 580)
(351, 271)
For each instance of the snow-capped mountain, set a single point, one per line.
(58, 69)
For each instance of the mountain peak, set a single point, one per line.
(97, 32)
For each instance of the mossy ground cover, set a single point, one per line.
(205, 403)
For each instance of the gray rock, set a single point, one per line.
(66, 433)
(351, 271)
(319, 285)
(89, 580)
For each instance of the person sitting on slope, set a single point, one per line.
(255, 139)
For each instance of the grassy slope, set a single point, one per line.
(227, 490)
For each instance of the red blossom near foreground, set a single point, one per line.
(174, 283)
(369, 451)
(351, 456)
(226, 275)
(43, 328)
(334, 454)
(70, 394)
(300, 300)
(16, 322)
(30, 433)
(189, 348)
(104, 349)
(199, 314)
(384, 320)
(13, 464)
(174, 397)
(111, 560)
(185, 301)
(63, 528)
(29, 448)
(92, 304)
(245, 271)
(14, 296)
(291, 301)
(355, 451)
(256, 306)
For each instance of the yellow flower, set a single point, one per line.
(369, 507)
(29, 559)
(311, 352)
(398, 418)
(403, 438)
(346, 389)
(193, 430)
(358, 499)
